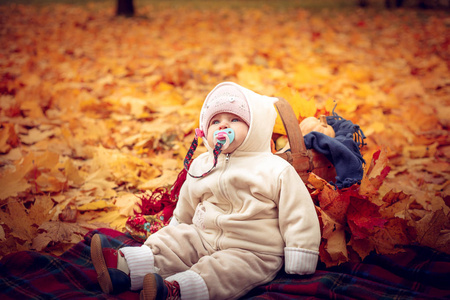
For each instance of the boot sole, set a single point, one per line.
(100, 265)
(149, 291)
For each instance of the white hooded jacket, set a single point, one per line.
(253, 200)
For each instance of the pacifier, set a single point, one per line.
(224, 136)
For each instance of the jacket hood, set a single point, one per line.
(262, 119)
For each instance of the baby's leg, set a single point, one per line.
(176, 249)
(180, 255)
(171, 250)
(231, 273)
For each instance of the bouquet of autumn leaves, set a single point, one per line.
(361, 219)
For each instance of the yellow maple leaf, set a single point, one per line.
(13, 181)
(74, 176)
(167, 178)
(98, 184)
(113, 217)
(127, 203)
(124, 167)
(96, 205)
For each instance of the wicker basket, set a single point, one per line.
(303, 160)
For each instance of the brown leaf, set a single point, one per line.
(429, 228)
(18, 221)
(57, 232)
(394, 234)
(361, 246)
(68, 214)
(40, 211)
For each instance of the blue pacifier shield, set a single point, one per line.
(223, 136)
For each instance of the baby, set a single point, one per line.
(242, 212)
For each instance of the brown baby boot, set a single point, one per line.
(106, 260)
(156, 288)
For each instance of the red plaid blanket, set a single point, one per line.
(419, 273)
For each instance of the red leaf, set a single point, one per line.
(363, 216)
(334, 203)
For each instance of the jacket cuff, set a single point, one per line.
(300, 261)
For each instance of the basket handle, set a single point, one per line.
(290, 123)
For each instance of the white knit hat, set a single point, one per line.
(224, 98)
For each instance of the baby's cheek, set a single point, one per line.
(210, 139)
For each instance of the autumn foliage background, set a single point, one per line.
(97, 109)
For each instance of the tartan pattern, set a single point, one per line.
(188, 159)
(31, 275)
(419, 273)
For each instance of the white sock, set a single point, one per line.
(122, 263)
(140, 262)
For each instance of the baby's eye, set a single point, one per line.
(235, 120)
(213, 122)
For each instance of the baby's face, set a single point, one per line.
(226, 120)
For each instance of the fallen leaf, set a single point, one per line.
(35, 135)
(76, 130)
(113, 217)
(8, 137)
(429, 228)
(127, 204)
(334, 234)
(97, 205)
(57, 232)
(363, 217)
(394, 234)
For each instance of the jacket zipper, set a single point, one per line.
(220, 234)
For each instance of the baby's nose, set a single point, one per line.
(223, 125)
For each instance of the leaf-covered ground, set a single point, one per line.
(95, 109)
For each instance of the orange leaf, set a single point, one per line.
(375, 173)
(334, 203)
(8, 137)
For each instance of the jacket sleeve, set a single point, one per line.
(299, 224)
(185, 209)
